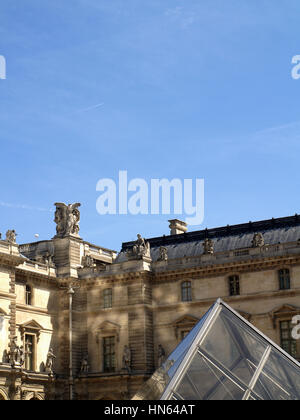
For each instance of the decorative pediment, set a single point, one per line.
(184, 322)
(108, 328)
(30, 327)
(283, 311)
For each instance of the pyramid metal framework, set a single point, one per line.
(225, 358)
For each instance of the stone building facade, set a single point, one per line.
(79, 321)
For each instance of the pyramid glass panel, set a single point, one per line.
(174, 360)
(225, 358)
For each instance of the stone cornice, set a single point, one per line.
(118, 278)
(11, 260)
(231, 300)
(7, 295)
(34, 310)
(38, 277)
(241, 266)
(258, 264)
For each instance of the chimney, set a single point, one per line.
(177, 227)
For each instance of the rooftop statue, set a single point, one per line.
(163, 254)
(11, 236)
(208, 247)
(140, 249)
(258, 240)
(67, 218)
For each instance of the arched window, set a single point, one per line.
(28, 295)
(234, 285)
(107, 298)
(186, 291)
(284, 279)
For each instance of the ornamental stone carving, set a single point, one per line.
(50, 362)
(67, 218)
(258, 240)
(16, 354)
(208, 247)
(140, 249)
(163, 254)
(88, 262)
(161, 355)
(84, 370)
(11, 236)
(127, 359)
(46, 259)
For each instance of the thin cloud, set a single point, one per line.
(23, 207)
(288, 126)
(90, 108)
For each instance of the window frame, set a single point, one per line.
(292, 347)
(28, 295)
(234, 284)
(284, 278)
(107, 298)
(186, 291)
(33, 352)
(111, 355)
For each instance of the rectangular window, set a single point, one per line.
(234, 285)
(186, 291)
(29, 352)
(109, 356)
(284, 279)
(28, 295)
(107, 298)
(287, 342)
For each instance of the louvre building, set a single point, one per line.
(80, 321)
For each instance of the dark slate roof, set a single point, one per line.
(226, 238)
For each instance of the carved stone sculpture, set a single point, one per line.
(85, 365)
(5, 358)
(11, 236)
(15, 353)
(46, 258)
(208, 247)
(140, 249)
(258, 240)
(50, 362)
(22, 356)
(161, 355)
(67, 218)
(127, 359)
(88, 261)
(163, 254)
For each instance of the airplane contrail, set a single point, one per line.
(89, 108)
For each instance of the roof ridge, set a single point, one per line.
(229, 230)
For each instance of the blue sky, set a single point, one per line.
(162, 89)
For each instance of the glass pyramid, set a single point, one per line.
(225, 358)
